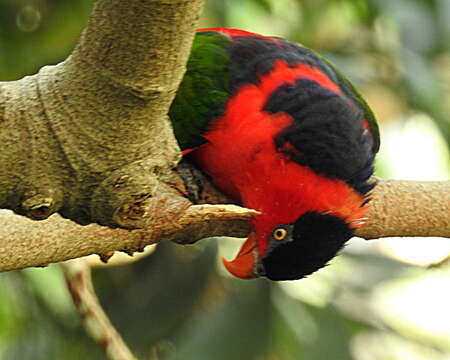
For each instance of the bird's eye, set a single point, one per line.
(279, 234)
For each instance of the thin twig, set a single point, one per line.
(98, 326)
(441, 263)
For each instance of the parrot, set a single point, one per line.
(277, 128)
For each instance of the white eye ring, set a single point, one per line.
(279, 234)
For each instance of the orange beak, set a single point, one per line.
(244, 265)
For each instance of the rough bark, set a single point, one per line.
(408, 208)
(25, 242)
(90, 135)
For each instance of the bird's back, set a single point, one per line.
(243, 92)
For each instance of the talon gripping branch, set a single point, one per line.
(280, 130)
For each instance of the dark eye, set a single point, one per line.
(279, 234)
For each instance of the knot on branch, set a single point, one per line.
(41, 206)
(40, 199)
(125, 197)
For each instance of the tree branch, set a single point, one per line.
(90, 139)
(408, 208)
(95, 126)
(79, 282)
(25, 242)
(398, 208)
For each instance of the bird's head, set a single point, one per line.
(298, 232)
(291, 251)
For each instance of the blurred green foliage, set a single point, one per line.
(175, 304)
(34, 33)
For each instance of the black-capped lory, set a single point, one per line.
(280, 130)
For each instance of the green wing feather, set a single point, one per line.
(203, 91)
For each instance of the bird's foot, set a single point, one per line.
(193, 180)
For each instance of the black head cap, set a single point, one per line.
(307, 245)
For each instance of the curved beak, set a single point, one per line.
(244, 266)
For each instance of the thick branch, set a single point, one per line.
(86, 136)
(398, 208)
(25, 243)
(140, 45)
(408, 208)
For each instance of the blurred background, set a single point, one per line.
(378, 300)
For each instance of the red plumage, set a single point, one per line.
(254, 173)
